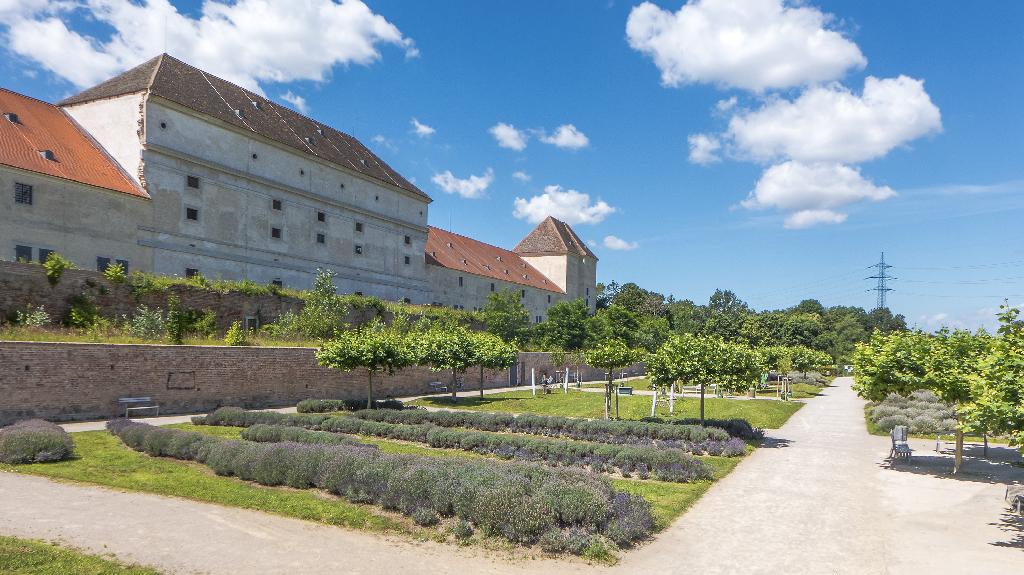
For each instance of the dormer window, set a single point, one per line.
(319, 130)
(48, 155)
(12, 117)
(240, 113)
(450, 244)
(308, 140)
(498, 258)
(257, 105)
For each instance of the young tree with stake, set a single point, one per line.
(376, 348)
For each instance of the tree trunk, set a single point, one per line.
(958, 458)
(984, 436)
(454, 391)
(616, 402)
(369, 385)
(608, 399)
(481, 382)
(702, 403)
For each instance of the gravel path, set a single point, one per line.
(821, 501)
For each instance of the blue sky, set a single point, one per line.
(925, 163)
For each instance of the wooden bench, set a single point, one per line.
(134, 404)
(625, 390)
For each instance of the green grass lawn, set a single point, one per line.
(766, 413)
(31, 557)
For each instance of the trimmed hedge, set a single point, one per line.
(328, 405)
(517, 501)
(34, 441)
(264, 433)
(740, 428)
(666, 464)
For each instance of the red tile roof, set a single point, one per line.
(41, 126)
(553, 237)
(455, 252)
(174, 80)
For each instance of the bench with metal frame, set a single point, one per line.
(625, 390)
(133, 404)
(900, 448)
(441, 387)
(1015, 497)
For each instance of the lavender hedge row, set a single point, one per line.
(524, 503)
(34, 441)
(328, 405)
(740, 428)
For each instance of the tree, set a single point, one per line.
(651, 333)
(739, 367)
(998, 388)
(492, 352)
(689, 358)
(566, 326)
(324, 312)
(447, 347)
(805, 359)
(614, 322)
(638, 300)
(375, 347)
(506, 316)
(726, 314)
(611, 354)
(953, 360)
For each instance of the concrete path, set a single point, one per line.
(821, 501)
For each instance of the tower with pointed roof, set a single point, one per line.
(555, 250)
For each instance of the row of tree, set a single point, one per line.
(980, 376)
(379, 348)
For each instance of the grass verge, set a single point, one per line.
(32, 557)
(764, 413)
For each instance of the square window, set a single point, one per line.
(191, 272)
(321, 238)
(321, 217)
(22, 194)
(408, 260)
(102, 264)
(44, 254)
(359, 250)
(359, 226)
(408, 240)
(192, 182)
(358, 293)
(192, 214)
(276, 204)
(123, 264)
(277, 282)
(22, 253)
(275, 233)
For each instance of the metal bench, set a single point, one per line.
(1015, 497)
(134, 404)
(900, 448)
(441, 387)
(625, 390)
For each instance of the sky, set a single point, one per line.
(770, 147)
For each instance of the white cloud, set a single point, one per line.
(723, 106)
(297, 102)
(420, 129)
(830, 123)
(750, 44)
(703, 149)
(521, 176)
(508, 136)
(812, 193)
(247, 42)
(471, 187)
(381, 140)
(568, 137)
(569, 206)
(616, 243)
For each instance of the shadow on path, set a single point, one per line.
(1012, 524)
(774, 442)
(996, 468)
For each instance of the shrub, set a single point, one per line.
(329, 405)
(425, 517)
(55, 266)
(34, 441)
(922, 412)
(83, 313)
(462, 529)
(115, 273)
(33, 317)
(147, 323)
(236, 336)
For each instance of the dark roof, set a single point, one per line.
(174, 80)
(553, 237)
(456, 252)
(42, 127)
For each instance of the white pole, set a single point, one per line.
(671, 398)
(533, 381)
(565, 384)
(654, 401)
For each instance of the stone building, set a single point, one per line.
(169, 169)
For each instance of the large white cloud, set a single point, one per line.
(508, 136)
(812, 193)
(471, 187)
(569, 206)
(247, 42)
(832, 124)
(568, 137)
(749, 44)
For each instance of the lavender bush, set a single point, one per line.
(329, 405)
(517, 501)
(34, 441)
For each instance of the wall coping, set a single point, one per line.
(160, 345)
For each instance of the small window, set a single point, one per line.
(22, 194)
(191, 272)
(408, 240)
(321, 238)
(588, 302)
(277, 282)
(358, 293)
(321, 217)
(48, 155)
(359, 250)
(276, 204)
(408, 260)
(588, 291)
(44, 254)
(376, 198)
(192, 214)
(163, 125)
(359, 226)
(23, 254)
(460, 281)
(255, 156)
(523, 293)
(275, 233)
(192, 182)
(251, 323)
(492, 286)
(123, 264)
(12, 117)
(407, 300)
(102, 264)
(549, 298)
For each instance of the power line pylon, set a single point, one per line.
(883, 277)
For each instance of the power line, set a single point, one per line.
(883, 278)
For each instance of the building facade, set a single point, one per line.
(169, 169)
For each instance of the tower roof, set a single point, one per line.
(457, 252)
(185, 85)
(553, 237)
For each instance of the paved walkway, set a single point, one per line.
(821, 501)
